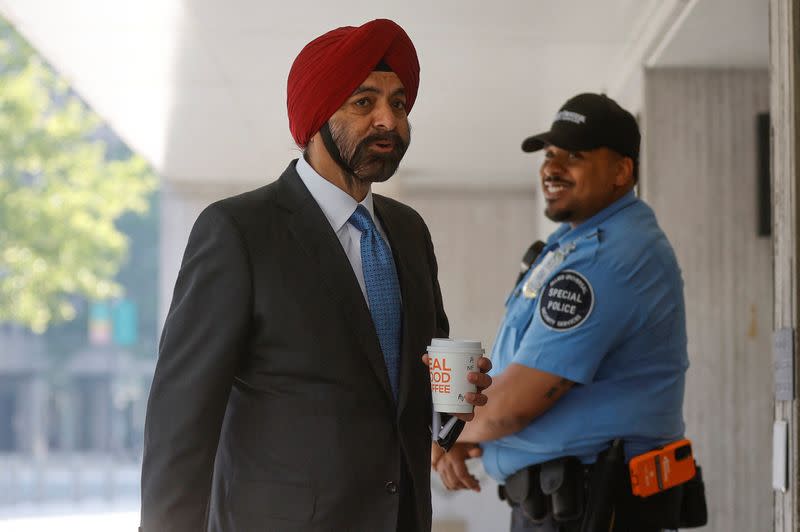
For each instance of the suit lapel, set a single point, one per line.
(313, 232)
(400, 242)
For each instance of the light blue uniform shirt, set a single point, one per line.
(610, 318)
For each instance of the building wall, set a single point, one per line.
(480, 235)
(700, 177)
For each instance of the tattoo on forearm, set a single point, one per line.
(563, 383)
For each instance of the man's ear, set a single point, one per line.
(313, 146)
(624, 174)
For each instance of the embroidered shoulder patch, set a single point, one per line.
(566, 301)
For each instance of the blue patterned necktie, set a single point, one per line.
(383, 291)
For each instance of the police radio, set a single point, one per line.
(529, 258)
(662, 468)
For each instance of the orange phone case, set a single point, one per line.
(662, 468)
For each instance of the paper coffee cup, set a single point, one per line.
(450, 361)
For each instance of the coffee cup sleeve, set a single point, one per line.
(449, 428)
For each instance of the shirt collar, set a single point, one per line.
(336, 204)
(567, 233)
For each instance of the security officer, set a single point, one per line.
(592, 348)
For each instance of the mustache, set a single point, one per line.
(387, 136)
(556, 180)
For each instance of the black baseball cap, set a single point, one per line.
(589, 121)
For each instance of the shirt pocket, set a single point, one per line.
(520, 311)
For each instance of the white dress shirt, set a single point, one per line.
(338, 206)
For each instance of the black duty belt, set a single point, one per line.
(574, 494)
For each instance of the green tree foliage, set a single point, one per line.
(60, 194)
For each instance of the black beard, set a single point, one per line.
(369, 167)
(560, 216)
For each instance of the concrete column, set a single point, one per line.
(701, 179)
(479, 233)
(785, 118)
(32, 416)
(100, 415)
(68, 403)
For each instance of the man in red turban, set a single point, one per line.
(334, 81)
(289, 393)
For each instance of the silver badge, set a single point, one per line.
(544, 269)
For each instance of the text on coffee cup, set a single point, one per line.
(440, 375)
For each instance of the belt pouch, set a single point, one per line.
(658, 511)
(524, 489)
(606, 475)
(563, 480)
(694, 512)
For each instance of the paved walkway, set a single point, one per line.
(120, 517)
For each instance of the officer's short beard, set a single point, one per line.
(563, 215)
(368, 166)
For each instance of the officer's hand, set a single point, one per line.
(481, 379)
(452, 467)
(436, 453)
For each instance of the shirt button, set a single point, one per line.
(390, 487)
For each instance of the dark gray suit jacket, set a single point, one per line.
(271, 407)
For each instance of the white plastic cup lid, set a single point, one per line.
(460, 346)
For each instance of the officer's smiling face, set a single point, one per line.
(579, 184)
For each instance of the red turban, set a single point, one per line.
(332, 66)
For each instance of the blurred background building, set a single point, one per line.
(197, 90)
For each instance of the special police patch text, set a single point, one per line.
(567, 301)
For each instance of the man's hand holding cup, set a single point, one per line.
(459, 374)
